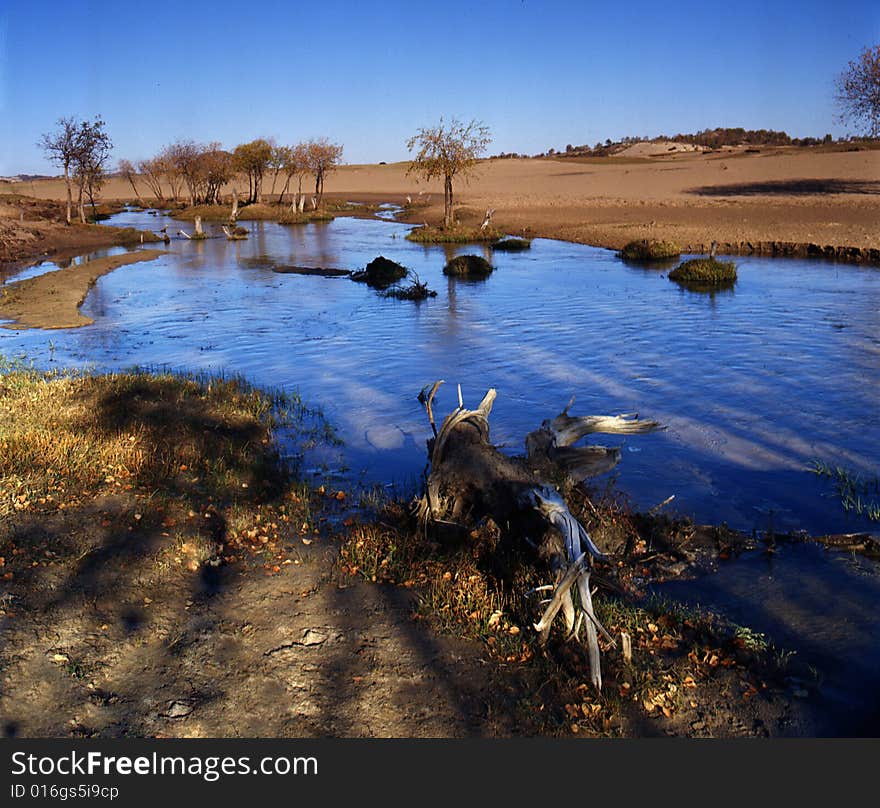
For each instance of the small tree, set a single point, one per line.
(216, 169)
(858, 91)
(93, 146)
(61, 148)
(185, 157)
(279, 157)
(252, 159)
(126, 169)
(296, 164)
(151, 171)
(322, 157)
(448, 151)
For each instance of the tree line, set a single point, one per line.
(185, 169)
(201, 170)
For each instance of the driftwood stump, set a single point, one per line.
(470, 480)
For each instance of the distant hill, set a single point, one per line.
(705, 140)
(25, 178)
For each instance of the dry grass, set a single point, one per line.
(453, 235)
(75, 434)
(477, 586)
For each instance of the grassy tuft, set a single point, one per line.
(452, 235)
(857, 494)
(512, 244)
(469, 266)
(305, 217)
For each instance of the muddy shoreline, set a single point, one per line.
(53, 300)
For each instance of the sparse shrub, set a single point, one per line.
(705, 272)
(469, 266)
(650, 250)
(381, 273)
(416, 290)
(512, 244)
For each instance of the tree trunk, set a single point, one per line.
(284, 190)
(448, 220)
(69, 217)
(471, 480)
(81, 205)
(134, 188)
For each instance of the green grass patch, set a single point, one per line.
(452, 235)
(705, 272)
(857, 494)
(294, 217)
(650, 250)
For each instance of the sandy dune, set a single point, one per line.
(820, 196)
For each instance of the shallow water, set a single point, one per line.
(753, 383)
(823, 604)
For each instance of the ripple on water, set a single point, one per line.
(753, 383)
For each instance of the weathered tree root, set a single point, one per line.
(470, 480)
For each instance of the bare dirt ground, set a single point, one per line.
(53, 300)
(110, 645)
(821, 195)
(106, 636)
(33, 229)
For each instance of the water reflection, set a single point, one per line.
(752, 384)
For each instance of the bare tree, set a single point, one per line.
(279, 157)
(858, 91)
(127, 169)
(294, 164)
(151, 171)
(61, 148)
(167, 167)
(184, 156)
(447, 151)
(322, 157)
(252, 159)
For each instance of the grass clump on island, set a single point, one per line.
(650, 250)
(253, 213)
(189, 461)
(452, 235)
(468, 266)
(705, 272)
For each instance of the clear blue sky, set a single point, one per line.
(367, 74)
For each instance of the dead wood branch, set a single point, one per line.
(471, 480)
